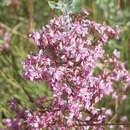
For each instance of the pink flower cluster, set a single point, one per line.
(5, 39)
(68, 58)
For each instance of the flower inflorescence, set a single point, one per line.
(69, 55)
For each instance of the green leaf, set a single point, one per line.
(75, 6)
(52, 4)
(76, 2)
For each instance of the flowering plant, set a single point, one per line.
(79, 72)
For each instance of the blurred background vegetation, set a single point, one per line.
(21, 18)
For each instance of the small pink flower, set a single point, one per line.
(117, 31)
(124, 97)
(116, 53)
(114, 95)
(5, 45)
(109, 112)
(123, 118)
(85, 12)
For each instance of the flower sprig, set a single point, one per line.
(69, 54)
